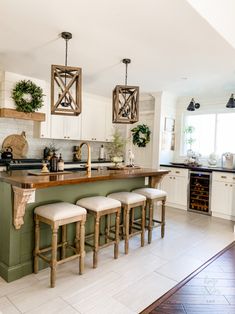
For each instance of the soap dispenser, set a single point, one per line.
(101, 154)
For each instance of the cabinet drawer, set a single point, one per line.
(176, 171)
(223, 176)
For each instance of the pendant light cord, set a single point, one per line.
(126, 75)
(66, 60)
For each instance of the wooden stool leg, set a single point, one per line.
(77, 237)
(116, 245)
(37, 240)
(132, 214)
(107, 228)
(163, 219)
(142, 224)
(54, 255)
(96, 240)
(64, 238)
(127, 217)
(81, 246)
(150, 225)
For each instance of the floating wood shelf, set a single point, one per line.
(12, 113)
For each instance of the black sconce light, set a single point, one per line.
(231, 102)
(192, 105)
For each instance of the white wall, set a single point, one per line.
(16, 126)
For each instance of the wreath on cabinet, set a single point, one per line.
(28, 97)
(141, 135)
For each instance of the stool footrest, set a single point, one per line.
(70, 258)
(45, 258)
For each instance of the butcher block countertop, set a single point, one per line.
(24, 180)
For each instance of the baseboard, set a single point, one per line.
(223, 216)
(15, 272)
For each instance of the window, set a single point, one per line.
(212, 133)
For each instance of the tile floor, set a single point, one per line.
(126, 285)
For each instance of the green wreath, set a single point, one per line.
(141, 135)
(28, 97)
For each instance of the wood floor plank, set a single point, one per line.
(210, 289)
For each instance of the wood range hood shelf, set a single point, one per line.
(12, 113)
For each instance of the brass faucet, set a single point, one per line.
(88, 164)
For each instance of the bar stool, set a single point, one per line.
(154, 195)
(130, 201)
(100, 206)
(56, 215)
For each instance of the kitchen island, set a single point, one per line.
(16, 213)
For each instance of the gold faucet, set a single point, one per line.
(88, 163)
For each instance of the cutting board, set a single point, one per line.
(39, 173)
(18, 143)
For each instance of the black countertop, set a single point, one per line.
(199, 168)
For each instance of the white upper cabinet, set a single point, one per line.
(96, 119)
(65, 127)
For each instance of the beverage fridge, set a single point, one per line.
(199, 192)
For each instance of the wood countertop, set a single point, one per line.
(23, 180)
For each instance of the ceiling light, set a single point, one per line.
(125, 101)
(66, 86)
(231, 102)
(192, 105)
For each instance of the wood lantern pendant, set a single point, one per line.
(126, 101)
(66, 86)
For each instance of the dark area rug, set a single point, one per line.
(209, 289)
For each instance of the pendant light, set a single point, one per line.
(231, 102)
(192, 105)
(126, 101)
(66, 85)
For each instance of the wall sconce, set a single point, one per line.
(192, 105)
(66, 86)
(231, 102)
(126, 101)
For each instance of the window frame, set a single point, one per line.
(196, 113)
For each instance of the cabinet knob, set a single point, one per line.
(226, 184)
(223, 177)
(177, 172)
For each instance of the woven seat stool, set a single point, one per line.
(130, 201)
(56, 215)
(100, 206)
(154, 195)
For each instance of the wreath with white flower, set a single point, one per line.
(28, 97)
(141, 135)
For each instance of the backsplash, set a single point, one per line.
(37, 145)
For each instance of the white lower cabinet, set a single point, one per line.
(65, 127)
(176, 185)
(223, 195)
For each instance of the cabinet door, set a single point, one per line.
(221, 197)
(57, 127)
(167, 185)
(93, 120)
(180, 190)
(72, 128)
(63, 127)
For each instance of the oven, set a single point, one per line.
(199, 192)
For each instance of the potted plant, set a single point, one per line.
(116, 147)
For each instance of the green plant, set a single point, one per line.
(188, 131)
(141, 135)
(116, 147)
(28, 97)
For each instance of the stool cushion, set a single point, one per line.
(58, 211)
(151, 193)
(98, 203)
(127, 198)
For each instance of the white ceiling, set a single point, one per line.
(167, 41)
